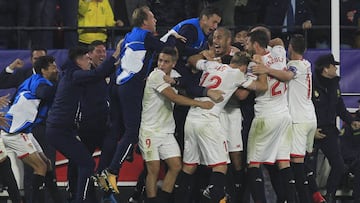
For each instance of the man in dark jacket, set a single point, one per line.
(64, 116)
(94, 125)
(328, 105)
(287, 13)
(350, 149)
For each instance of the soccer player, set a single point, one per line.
(32, 101)
(205, 143)
(156, 139)
(270, 136)
(7, 176)
(137, 54)
(231, 117)
(301, 108)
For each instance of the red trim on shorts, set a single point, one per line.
(191, 164)
(297, 155)
(217, 164)
(23, 156)
(259, 162)
(283, 160)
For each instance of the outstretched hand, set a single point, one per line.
(260, 67)
(319, 134)
(4, 101)
(179, 37)
(216, 95)
(118, 49)
(355, 125)
(206, 104)
(169, 79)
(17, 63)
(4, 121)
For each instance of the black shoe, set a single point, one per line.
(330, 198)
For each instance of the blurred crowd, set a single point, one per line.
(27, 24)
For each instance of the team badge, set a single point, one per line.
(316, 94)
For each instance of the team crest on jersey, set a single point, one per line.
(338, 93)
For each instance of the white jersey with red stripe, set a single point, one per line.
(274, 100)
(219, 77)
(299, 92)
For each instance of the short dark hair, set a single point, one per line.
(170, 51)
(43, 62)
(260, 37)
(227, 32)
(76, 52)
(94, 44)
(139, 16)
(298, 44)
(37, 48)
(262, 27)
(209, 11)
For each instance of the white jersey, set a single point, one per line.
(299, 92)
(274, 100)
(157, 112)
(217, 76)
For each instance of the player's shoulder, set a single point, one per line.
(299, 63)
(278, 50)
(156, 75)
(156, 72)
(206, 64)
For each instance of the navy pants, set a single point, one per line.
(129, 97)
(331, 149)
(65, 141)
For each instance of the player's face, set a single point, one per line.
(249, 46)
(243, 68)
(166, 63)
(209, 24)
(51, 73)
(221, 43)
(84, 62)
(150, 22)
(331, 71)
(36, 54)
(241, 37)
(98, 55)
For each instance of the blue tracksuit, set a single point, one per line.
(31, 104)
(137, 52)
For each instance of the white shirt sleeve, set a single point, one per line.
(156, 80)
(205, 64)
(9, 70)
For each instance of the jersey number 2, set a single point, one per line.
(276, 89)
(214, 80)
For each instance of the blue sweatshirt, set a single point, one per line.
(31, 104)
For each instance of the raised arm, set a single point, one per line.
(195, 58)
(170, 94)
